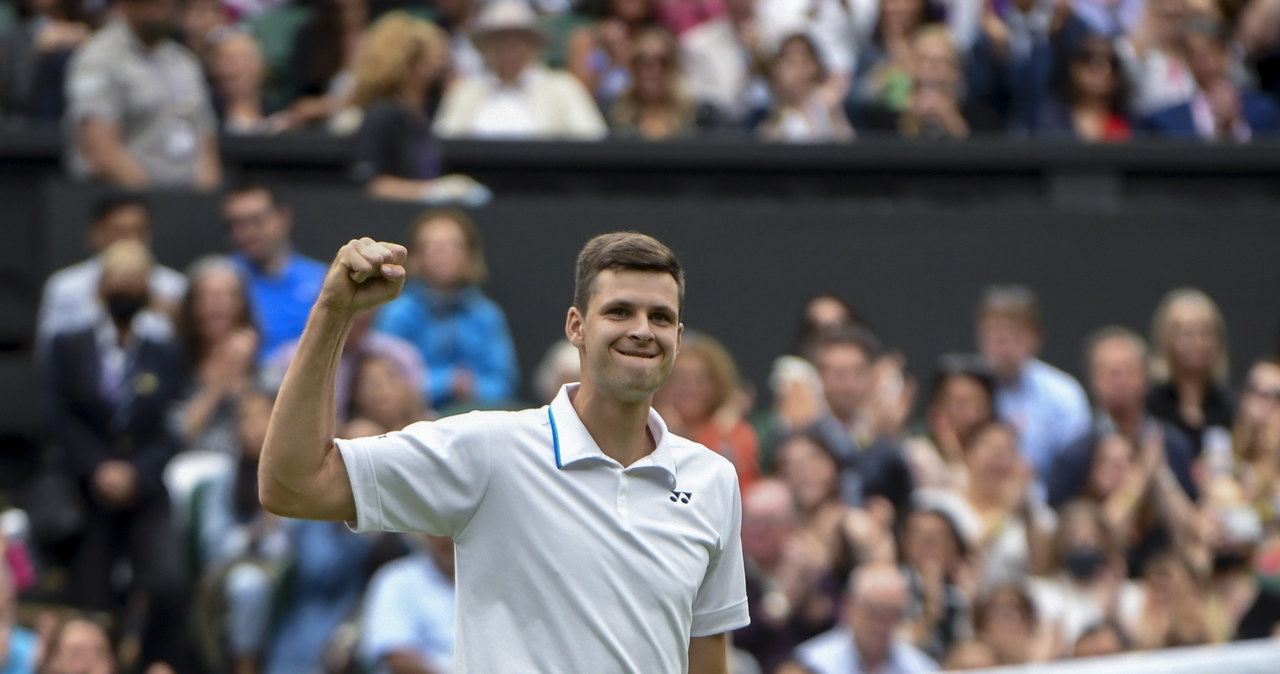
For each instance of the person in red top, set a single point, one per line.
(1090, 105)
(704, 402)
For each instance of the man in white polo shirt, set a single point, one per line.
(589, 539)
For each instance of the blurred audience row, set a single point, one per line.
(143, 87)
(1022, 517)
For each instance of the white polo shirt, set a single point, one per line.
(567, 562)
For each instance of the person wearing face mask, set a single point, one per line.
(109, 388)
(138, 110)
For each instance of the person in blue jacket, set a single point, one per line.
(462, 334)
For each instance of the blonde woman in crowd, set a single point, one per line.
(1190, 368)
(1256, 439)
(704, 402)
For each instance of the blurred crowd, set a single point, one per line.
(995, 511)
(144, 88)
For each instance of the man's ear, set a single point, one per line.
(679, 337)
(573, 327)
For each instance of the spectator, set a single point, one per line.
(1172, 612)
(792, 596)
(837, 27)
(936, 107)
(398, 156)
(383, 397)
(119, 132)
(1091, 98)
(1256, 438)
(1110, 20)
(802, 110)
(934, 560)
(1118, 380)
(864, 413)
(34, 54)
(516, 97)
(838, 537)
(1099, 640)
(1006, 620)
(961, 402)
(1153, 58)
(282, 283)
(328, 575)
(867, 642)
(704, 401)
(362, 342)
(1045, 405)
(408, 611)
(220, 342)
(238, 72)
(461, 334)
(1190, 368)
(1009, 531)
(559, 366)
(1086, 583)
(1217, 110)
(710, 51)
(601, 55)
(824, 313)
(242, 548)
(109, 389)
(655, 105)
(884, 74)
(1024, 43)
(69, 301)
(79, 645)
(19, 646)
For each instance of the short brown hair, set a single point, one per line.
(1015, 302)
(477, 272)
(623, 250)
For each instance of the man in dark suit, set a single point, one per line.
(110, 387)
(1219, 111)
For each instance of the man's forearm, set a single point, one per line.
(107, 156)
(299, 449)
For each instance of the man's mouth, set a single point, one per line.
(637, 354)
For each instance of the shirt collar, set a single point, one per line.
(572, 443)
(526, 82)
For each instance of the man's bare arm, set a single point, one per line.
(709, 655)
(106, 155)
(301, 473)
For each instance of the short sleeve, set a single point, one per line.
(91, 93)
(721, 602)
(430, 477)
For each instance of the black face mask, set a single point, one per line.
(122, 307)
(1225, 561)
(1083, 563)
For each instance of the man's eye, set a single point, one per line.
(661, 318)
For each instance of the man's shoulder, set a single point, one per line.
(911, 659)
(828, 650)
(73, 278)
(1053, 379)
(696, 456)
(308, 267)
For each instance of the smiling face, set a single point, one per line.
(629, 334)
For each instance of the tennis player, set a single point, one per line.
(589, 539)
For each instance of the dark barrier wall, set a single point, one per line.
(751, 262)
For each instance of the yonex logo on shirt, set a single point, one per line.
(681, 496)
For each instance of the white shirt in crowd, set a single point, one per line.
(70, 300)
(566, 560)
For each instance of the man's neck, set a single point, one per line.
(621, 429)
(1128, 420)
